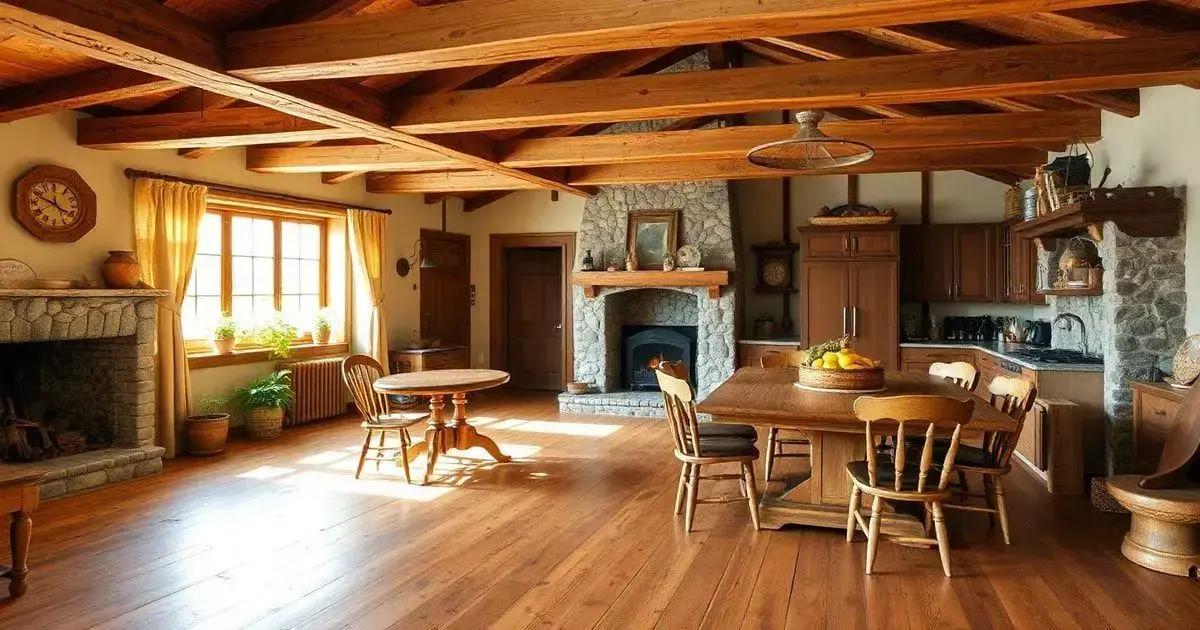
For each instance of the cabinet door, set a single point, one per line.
(1029, 271)
(825, 291)
(912, 267)
(975, 263)
(874, 310)
(937, 263)
(825, 244)
(1018, 271)
(875, 244)
(1004, 253)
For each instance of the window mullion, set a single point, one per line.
(278, 264)
(226, 263)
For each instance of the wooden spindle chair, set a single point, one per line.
(710, 429)
(1015, 397)
(777, 438)
(887, 477)
(695, 451)
(960, 373)
(360, 372)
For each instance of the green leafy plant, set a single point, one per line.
(211, 405)
(269, 392)
(226, 329)
(322, 325)
(278, 336)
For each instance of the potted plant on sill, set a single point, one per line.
(225, 335)
(322, 328)
(208, 431)
(277, 336)
(263, 401)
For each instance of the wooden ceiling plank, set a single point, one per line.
(338, 178)
(360, 157)
(187, 130)
(930, 77)
(84, 89)
(464, 33)
(455, 181)
(143, 35)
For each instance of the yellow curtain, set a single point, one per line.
(367, 231)
(166, 221)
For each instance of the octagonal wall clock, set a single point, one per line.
(54, 204)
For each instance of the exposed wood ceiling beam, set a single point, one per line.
(1007, 71)
(85, 89)
(146, 36)
(980, 130)
(465, 33)
(218, 128)
(337, 178)
(454, 181)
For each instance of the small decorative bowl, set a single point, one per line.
(52, 283)
(576, 388)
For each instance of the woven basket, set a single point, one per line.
(869, 380)
(870, 220)
(1014, 202)
(264, 424)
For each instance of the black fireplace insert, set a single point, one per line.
(643, 347)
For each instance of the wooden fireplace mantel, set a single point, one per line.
(593, 281)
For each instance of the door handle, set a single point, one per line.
(843, 321)
(558, 326)
(854, 322)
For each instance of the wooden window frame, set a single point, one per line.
(227, 214)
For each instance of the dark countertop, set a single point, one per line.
(1003, 350)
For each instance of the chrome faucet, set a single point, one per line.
(1082, 327)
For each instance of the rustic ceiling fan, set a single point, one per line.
(810, 148)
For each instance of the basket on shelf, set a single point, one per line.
(873, 220)
(1014, 202)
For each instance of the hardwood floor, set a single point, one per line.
(577, 532)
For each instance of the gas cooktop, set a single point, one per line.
(1056, 356)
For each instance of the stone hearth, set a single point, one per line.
(96, 351)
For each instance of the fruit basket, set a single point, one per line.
(863, 380)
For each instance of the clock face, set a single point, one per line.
(54, 205)
(774, 273)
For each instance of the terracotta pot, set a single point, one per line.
(121, 270)
(206, 435)
(223, 346)
(321, 336)
(264, 424)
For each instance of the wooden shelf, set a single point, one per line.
(593, 281)
(1073, 292)
(1141, 212)
(82, 293)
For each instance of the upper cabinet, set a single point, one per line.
(859, 242)
(949, 263)
(1016, 268)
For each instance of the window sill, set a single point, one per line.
(240, 357)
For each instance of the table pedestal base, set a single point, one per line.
(441, 437)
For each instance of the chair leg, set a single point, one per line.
(681, 493)
(769, 460)
(404, 456)
(378, 460)
(873, 532)
(989, 495)
(751, 493)
(693, 493)
(939, 526)
(855, 498)
(1001, 508)
(362, 458)
(928, 518)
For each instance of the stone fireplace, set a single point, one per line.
(82, 362)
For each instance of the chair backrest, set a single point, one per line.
(933, 413)
(960, 373)
(680, 407)
(782, 359)
(360, 372)
(1015, 397)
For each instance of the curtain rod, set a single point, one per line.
(131, 173)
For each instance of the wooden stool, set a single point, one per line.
(1163, 533)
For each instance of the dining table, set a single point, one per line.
(819, 495)
(441, 436)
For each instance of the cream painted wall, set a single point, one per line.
(51, 139)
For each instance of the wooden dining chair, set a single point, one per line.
(360, 372)
(777, 438)
(895, 476)
(711, 429)
(960, 373)
(695, 451)
(1015, 397)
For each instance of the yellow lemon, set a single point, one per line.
(830, 357)
(817, 364)
(847, 360)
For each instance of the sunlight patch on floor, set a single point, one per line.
(393, 487)
(585, 429)
(266, 472)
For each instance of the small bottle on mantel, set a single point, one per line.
(588, 264)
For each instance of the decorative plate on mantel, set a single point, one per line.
(15, 274)
(1186, 364)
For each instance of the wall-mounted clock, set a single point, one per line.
(775, 267)
(55, 204)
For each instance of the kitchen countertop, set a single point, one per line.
(773, 341)
(1002, 350)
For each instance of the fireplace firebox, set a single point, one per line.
(644, 347)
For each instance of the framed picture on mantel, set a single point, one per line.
(651, 235)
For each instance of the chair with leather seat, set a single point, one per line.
(695, 451)
(360, 372)
(909, 474)
(778, 438)
(711, 429)
(1015, 397)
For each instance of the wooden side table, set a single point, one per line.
(421, 360)
(19, 498)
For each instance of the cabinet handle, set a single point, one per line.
(854, 322)
(1160, 412)
(854, 244)
(845, 243)
(843, 321)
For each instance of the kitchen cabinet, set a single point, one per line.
(856, 294)
(750, 354)
(1016, 268)
(919, 359)
(839, 243)
(1155, 414)
(950, 263)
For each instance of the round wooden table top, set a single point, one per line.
(440, 382)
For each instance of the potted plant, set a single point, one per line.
(322, 328)
(278, 336)
(263, 401)
(208, 431)
(225, 335)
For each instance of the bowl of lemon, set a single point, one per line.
(835, 366)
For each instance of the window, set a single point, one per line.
(254, 267)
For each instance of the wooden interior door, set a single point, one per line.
(974, 254)
(826, 293)
(534, 317)
(445, 288)
(874, 310)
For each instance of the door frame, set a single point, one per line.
(498, 279)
